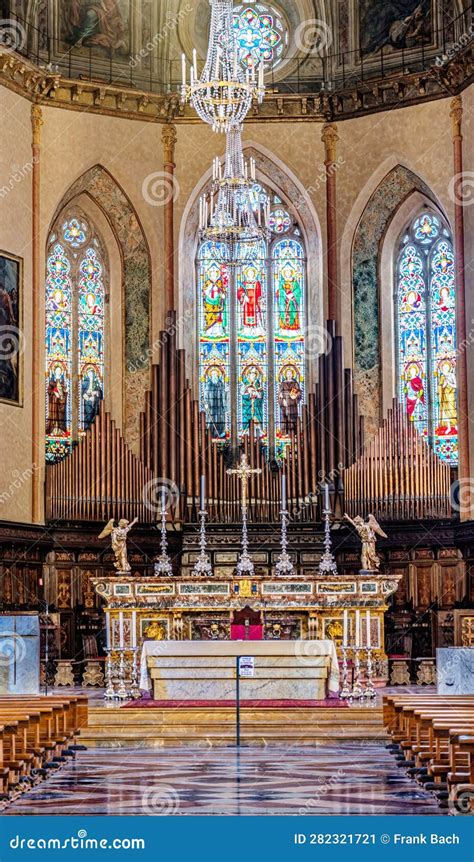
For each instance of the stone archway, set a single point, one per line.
(380, 209)
(108, 195)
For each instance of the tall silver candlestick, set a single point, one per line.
(109, 693)
(245, 565)
(284, 565)
(357, 691)
(345, 691)
(122, 693)
(202, 565)
(327, 564)
(369, 685)
(135, 688)
(163, 565)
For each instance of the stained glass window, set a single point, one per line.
(240, 340)
(289, 291)
(279, 221)
(427, 333)
(261, 34)
(74, 335)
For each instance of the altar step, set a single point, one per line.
(111, 727)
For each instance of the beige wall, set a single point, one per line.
(72, 142)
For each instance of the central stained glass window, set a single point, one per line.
(252, 341)
(261, 34)
(426, 315)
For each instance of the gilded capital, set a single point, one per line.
(456, 115)
(330, 138)
(168, 139)
(36, 123)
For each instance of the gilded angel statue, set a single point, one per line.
(119, 541)
(367, 531)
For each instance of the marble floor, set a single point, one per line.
(344, 778)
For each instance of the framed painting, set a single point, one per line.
(12, 340)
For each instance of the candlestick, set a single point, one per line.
(109, 693)
(357, 691)
(121, 637)
(283, 492)
(203, 493)
(327, 502)
(122, 693)
(369, 687)
(345, 691)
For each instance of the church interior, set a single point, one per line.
(236, 407)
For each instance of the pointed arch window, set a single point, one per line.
(75, 297)
(251, 343)
(426, 317)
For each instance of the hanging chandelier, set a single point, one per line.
(223, 94)
(236, 212)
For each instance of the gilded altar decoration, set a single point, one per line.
(367, 532)
(119, 541)
(155, 631)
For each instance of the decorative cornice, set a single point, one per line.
(354, 98)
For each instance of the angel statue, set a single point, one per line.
(119, 542)
(366, 531)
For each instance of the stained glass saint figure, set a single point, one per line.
(289, 299)
(57, 402)
(215, 401)
(289, 397)
(252, 398)
(91, 393)
(249, 294)
(214, 301)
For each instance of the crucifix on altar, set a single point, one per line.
(244, 472)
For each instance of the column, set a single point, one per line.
(168, 139)
(465, 491)
(330, 138)
(37, 456)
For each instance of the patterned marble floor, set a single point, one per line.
(347, 778)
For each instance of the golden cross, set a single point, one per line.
(244, 471)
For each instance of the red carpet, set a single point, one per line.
(147, 702)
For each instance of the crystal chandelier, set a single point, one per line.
(235, 213)
(223, 94)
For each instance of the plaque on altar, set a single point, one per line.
(19, 653)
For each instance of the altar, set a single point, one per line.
(206, 670)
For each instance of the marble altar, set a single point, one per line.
(205, 670)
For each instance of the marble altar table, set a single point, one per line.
(205, 670)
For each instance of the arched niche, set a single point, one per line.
(277, 177)
(381, 208)
(132, 317)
